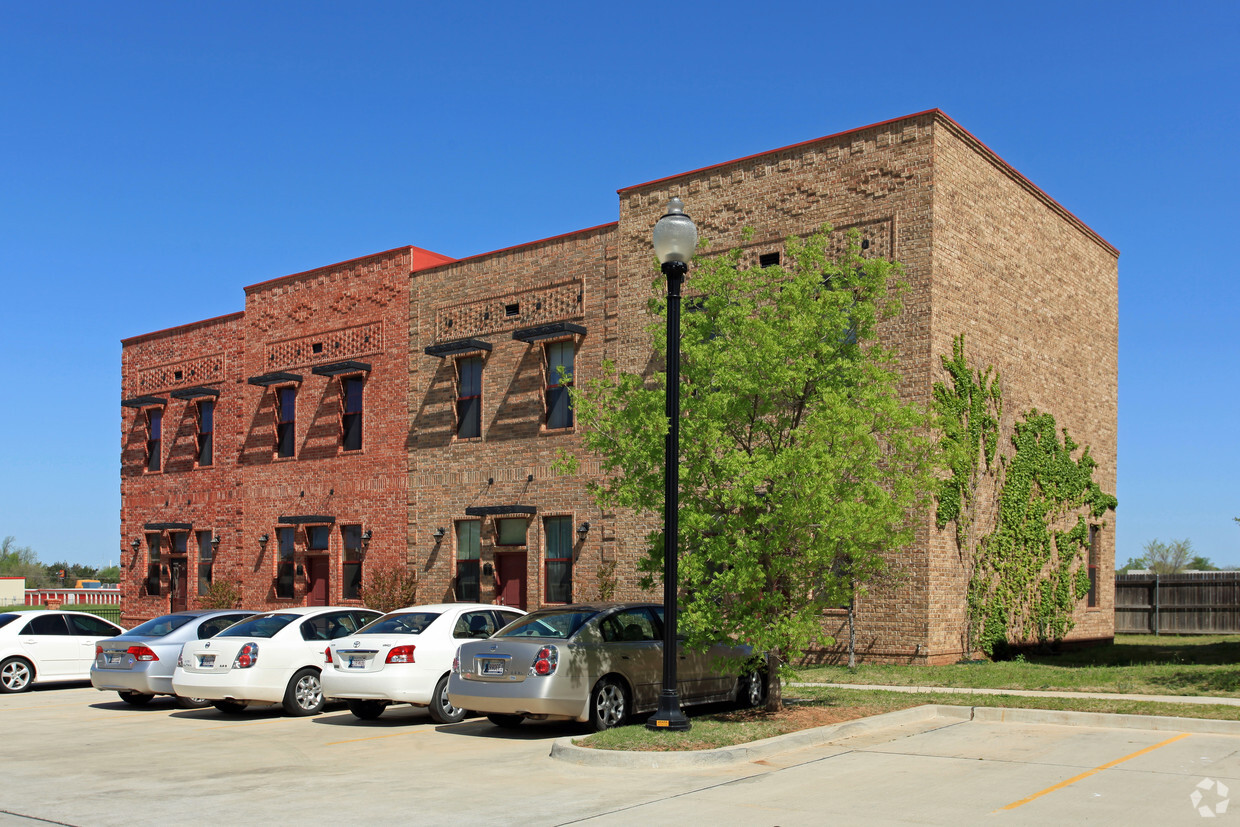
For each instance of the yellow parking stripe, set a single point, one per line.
(1094, 771)
(377, 737)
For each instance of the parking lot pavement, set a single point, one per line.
(81, 757)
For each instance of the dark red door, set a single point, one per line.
(316, 573)
(510, 580)
(178, 577)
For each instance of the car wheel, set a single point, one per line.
(16, 675)
(229, 707)
(506, 721)
(442, 710)
(608, 705)
(367, 710)
(135, 698)
(750, 690)
(192, 703)
(304, 695)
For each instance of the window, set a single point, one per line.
(351, 535)
(474, 625)
(351, 418)
(510, 531)
(1094, 552)
(179, 542)
(154, 431)
(206, 432)
(318, 537)
(206, 555)
(559, 559)
(469, 397)
(768, 260)
(559, 380)
(285, 536)
(153, 545)
(468, 552)
(286, 421)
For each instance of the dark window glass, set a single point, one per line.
(154, 435)
(352, 538)
(286, 421)
(83, 624)
(154, 544)
(286, 535)
(474, 625)
(468, 552)
(553, 623)
(206, 432)
(318, 537)
(768, 259)
(46, 625)
(160, 626)
(351, 420)
(180, 542)
(559, 380)
(469, 397)
(401, 623)
(559, 559)
(205, 555)
(1093, 566)
(510, 531)
(260, 626)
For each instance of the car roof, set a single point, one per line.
(447, 607)
(603, 607)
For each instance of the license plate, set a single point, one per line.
(206, 660)
(493, 667)
(357, 662)
(112, 658)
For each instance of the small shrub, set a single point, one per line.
(221, 594)
(388, 587)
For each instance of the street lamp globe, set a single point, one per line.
(675, 235)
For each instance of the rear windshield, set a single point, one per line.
(259, 626)
(7, 618)
(160, 626)
(400, 623)
(553, 623)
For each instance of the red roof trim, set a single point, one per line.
(181, 328)
(533, 243)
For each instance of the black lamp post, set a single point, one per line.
(675, 238)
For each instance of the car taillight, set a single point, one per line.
(247, 657)
(456, 662)
(142, 653)
(181, 660)
(545, 661)
(327, 655)
(98, 650)
(400, 654)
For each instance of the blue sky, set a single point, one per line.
(157, 157)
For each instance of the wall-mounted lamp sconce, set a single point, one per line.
(135, 544)
(262, 541)
(301, 571)
(163, 570)
(488, 569)
(583, 530)
(439, 533)
(215, 543)
(366, 535)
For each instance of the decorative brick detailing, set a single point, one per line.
(511, 311)
(185, 373)
(334, 345)
(878, 182)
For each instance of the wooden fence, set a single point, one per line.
(1195, 603)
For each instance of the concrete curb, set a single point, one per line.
(1031, 693)
(564, 749)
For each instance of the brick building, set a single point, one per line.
(463, 406)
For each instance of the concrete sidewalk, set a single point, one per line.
(1032, 693)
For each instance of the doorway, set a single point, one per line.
(510, 579)
(178, 584)
(316, 572)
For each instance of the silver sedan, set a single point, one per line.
(597, 663)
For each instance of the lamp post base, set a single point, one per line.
(668, 716)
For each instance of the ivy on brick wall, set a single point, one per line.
(1025, 578)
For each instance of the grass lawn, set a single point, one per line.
(1137, 664)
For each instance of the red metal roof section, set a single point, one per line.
(181, 328)
(533, 243)
(421, 259)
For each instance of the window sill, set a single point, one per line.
(283, 459)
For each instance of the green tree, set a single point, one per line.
(390, 586)
(1168, 558)
(1200, 563)
(21, 561)
(1133, 564)
(800, 464)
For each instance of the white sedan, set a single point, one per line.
(47, 645)
(272, 658)
(406, 656)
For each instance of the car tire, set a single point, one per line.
(367, 710)
(304, 695)
(506, 721)
(16, 675)
(229, 707)
(136, 698)
(751, 690)
(441, 709)
(192, 703)
(609, 705)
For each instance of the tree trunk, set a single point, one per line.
(852, 635)
(774, 686)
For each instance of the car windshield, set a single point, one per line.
(7, 618)
(555, 623)
(160, 626)
(259, 626)
(400, 623)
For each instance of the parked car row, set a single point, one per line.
(595, 663)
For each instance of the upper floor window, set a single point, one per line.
(351, 413)
(206, 432)
(559, 379)
(469, 397)
(286, 421)
(154, 436)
